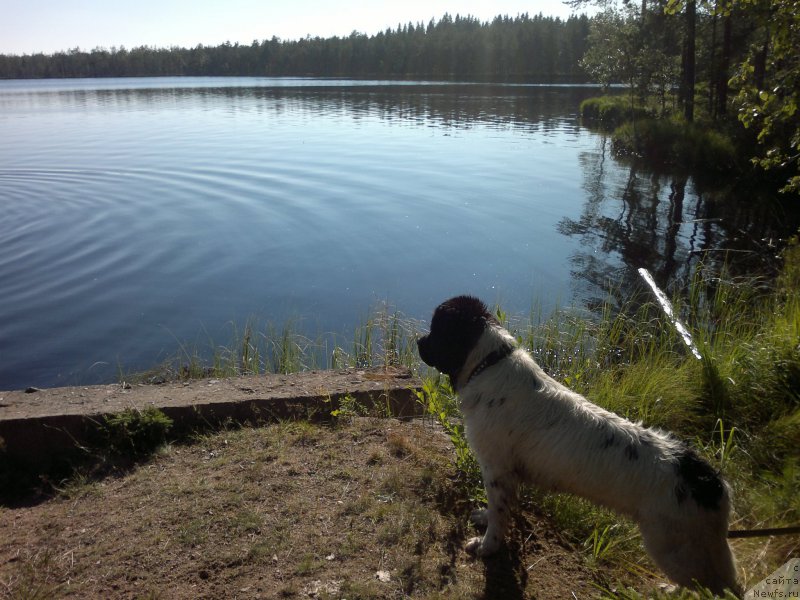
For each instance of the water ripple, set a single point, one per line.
(140, 213)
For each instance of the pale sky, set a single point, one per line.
(31, 26)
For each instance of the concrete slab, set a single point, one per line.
(38, 425)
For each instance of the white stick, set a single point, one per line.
(666, 305)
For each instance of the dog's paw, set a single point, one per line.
(480, 546)
(480, 518)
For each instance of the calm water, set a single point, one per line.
(140, 213)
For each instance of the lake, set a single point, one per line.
(140, 214)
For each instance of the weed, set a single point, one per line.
(77, 486)
(385, 337)
(36, 579)
(308, 564)
(723, 443)
(134, 432)
(399, 445)
(690, 146)
(349, 406)
(611, 111)
(246, 521)
(600, 543)
(439, 400)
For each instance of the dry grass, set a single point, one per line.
(366, 508)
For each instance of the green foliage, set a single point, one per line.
(602, 542)
(635, 49)
(385, 338)
(709, 52)
(134, 432)
(349, 406)
(440, 402)
(769, 86)
(613, 46)
(611, 111)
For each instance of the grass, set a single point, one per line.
(385, 337)
(611, 111)
(694, 147)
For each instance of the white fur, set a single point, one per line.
(526, 427)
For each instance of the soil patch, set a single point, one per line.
(362, 508)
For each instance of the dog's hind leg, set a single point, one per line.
(501, 493)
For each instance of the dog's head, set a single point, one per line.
(456, 326)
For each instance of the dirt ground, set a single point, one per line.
(365, 508)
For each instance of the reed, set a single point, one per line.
(384, 337)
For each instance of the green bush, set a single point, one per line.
(611, 111)
(685, 145)
(133, 432)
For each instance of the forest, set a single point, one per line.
(525, 48)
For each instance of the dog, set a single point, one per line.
(525, 427)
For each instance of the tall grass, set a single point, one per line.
(384, 337)
(612, 111)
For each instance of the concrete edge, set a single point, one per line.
(39, 429)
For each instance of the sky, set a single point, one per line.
(32, 26)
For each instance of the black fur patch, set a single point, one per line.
(610, 442)
(631, 452)
(700, 480)
(680, 493)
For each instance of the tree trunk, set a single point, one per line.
(688, 75)
(724, 66)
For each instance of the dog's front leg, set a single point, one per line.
(501, 493)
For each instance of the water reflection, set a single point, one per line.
(636, 218)
(531, 108)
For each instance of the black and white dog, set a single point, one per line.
(526, 427)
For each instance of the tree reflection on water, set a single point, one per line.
(669, 224)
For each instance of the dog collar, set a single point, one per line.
(491, 359)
